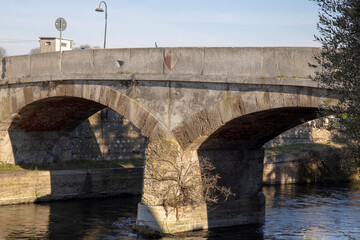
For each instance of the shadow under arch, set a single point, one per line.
(63, 106)
(227, 147)
(81, 95)
(252, 131)
(40, 133)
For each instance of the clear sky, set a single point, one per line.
(170, 23)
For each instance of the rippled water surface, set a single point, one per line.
(292, 212)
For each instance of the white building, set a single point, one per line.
(52, 44)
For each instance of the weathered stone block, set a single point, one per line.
(184, 60)
(18, 100)
(263, 100)
(276, 99)
(112, 61)
(237, 106)
(290, 96)
(10, 67)
(86, 91)
(45, 64)
(28, 95)
(148, 60)
(122, 105)
(140, 118)
(95, 92)
(250, 102)
(114, 98)
(149, 125)
(214, 117)
(160, 132)
(304, 97)
(69, 88)
(232, 61)
(78, 90)
(289, 62)
(77, 61)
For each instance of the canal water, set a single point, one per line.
(292, 212)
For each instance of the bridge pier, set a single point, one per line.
(6, 150)
(241, 170)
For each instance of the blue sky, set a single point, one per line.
(170, 23)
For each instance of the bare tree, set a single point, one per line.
(2, 52)
(35, 50)
(83, 46)
(172, 180)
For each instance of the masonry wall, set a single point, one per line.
(31, 186)
(108, 136)
(314, 131)
(104, 136)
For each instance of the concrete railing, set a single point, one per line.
(261, 65)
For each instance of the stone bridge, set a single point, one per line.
(217, 103)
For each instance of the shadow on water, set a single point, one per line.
(104, 218)
(76, 219)
(251, 232)
(292, 212)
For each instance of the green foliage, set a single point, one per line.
(74, 164)
(339, 69)
(315, 167)
(9, 167)
(301, 147)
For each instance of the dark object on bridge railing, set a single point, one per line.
(121, 63)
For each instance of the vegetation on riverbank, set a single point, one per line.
(301, 147)
(129, 163)
(74, 164)
(337, 68)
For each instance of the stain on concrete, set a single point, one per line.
(3, 68)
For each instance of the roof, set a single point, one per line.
(53, 38)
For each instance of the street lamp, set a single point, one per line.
(99, 9)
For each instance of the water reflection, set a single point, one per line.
(292, 212)
(24, 220)
(312, 212)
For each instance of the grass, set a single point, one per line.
(10, 167)
(130, 163)
(302, 147)
(74, 164)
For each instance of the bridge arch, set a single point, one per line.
(97, 96)
(57, 106)
(221, 125)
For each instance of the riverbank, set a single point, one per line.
(305, 163)
(23, 186)
(298, 163)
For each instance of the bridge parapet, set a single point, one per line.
(262, 65)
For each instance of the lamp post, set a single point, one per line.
(99, 9)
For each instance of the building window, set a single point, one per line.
(47, 43)
(63, 44)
